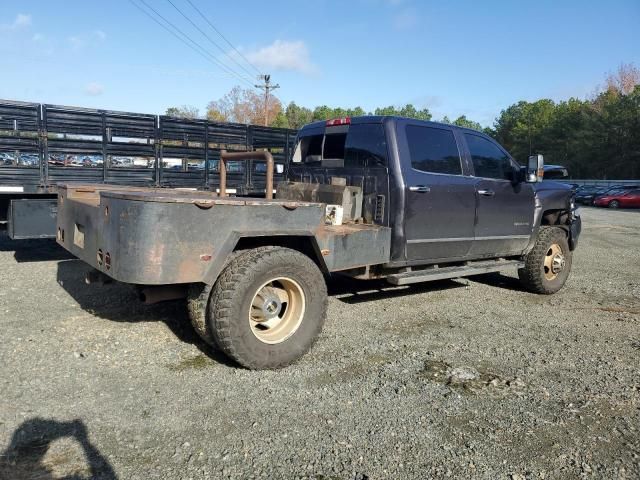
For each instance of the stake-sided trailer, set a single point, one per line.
(44, 145)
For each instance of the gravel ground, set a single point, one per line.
(463, 379)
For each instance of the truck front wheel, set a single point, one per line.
(548, 264)
(268, 307)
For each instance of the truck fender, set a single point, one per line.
(306, 244)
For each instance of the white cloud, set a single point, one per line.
(405, 20)
(86, 39)
(76, 42)
(22, 20)
(37, 37)
(283, 55)
(94, 89)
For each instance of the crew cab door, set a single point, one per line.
(505, 205)
(439, 198)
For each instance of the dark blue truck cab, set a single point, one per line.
(448, 193)
(370, 197)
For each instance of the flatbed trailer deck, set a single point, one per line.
(147, 236)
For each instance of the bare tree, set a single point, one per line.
(624, 80)
(242, 106)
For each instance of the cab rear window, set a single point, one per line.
(361, 145)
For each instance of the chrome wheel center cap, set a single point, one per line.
(271, 308)
(558, 263)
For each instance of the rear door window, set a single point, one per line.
(433, 150)
(366, 146)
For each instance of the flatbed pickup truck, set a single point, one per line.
(369, 197)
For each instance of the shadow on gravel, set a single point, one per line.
(499, 281)
(26, 456)
(119, 302)
(37, 250)
(351, 291)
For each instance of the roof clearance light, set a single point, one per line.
(339, 121)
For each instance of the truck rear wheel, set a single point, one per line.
(197, 303)
(268, 307)
(548, 264)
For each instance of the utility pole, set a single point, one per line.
(267, 87)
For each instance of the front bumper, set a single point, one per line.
(575, 227)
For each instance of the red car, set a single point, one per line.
(625, 198)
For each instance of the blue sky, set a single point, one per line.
(453, 57)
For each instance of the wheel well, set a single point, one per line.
(555, 217)
(304, 245)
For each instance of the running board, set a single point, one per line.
(473, 268)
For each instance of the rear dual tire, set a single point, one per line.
(266, 309)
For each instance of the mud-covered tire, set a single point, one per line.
(536, 276)
(198, 306)
(197, 303)
(233, 300)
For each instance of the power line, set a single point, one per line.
(223, 37)
(192, 44)
(186, 17)
(200, 47)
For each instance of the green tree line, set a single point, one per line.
(598, 137)
(244, 106)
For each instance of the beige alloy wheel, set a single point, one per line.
(554, 262)
(277, 310)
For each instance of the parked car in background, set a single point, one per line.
(619, 199)
(7, 158)
(587, 193)
(28, 160)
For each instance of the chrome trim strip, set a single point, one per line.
(463, 239)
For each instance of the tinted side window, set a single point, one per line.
(366, 146)
(433, 150)
(488, 160)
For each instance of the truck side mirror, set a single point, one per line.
(535, 169)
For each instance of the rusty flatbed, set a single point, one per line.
(152, 236)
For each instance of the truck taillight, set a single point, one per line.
(339, 121)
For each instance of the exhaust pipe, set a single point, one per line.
(163, 293)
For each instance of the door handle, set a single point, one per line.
(420, 189)
(486, 193)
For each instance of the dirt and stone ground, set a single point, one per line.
(463, 379)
